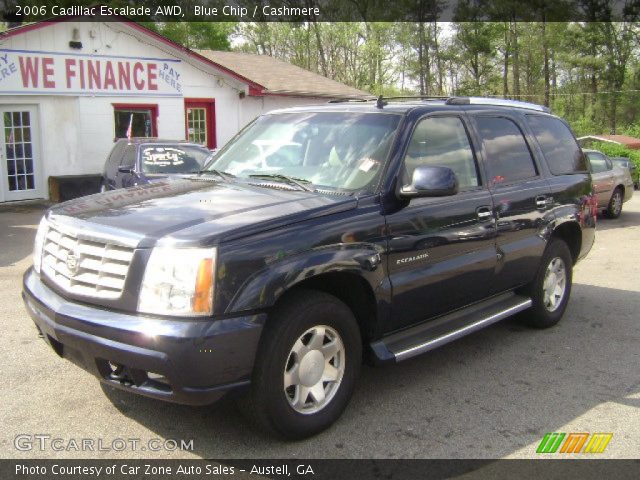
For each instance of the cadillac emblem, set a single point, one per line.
(73, 263)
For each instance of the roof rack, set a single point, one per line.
(352, 99)
(416, 97)
(500, 102)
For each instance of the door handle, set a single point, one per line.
(484, 213)
(542, 202)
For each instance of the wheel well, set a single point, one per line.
(571, 234)
(351, 289)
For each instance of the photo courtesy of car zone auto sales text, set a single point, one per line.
(320, 239)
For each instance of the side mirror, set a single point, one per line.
(431, 182)
(126, 169)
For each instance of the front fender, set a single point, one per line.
(262, 289)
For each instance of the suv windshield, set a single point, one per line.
(172, 158)
(341, 150)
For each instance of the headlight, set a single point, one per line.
(178, 282)
(39, 243)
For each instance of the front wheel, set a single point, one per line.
(306, 366)
(614, 209)
(551, 288)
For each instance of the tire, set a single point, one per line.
(284, 350)
(547, 310)
(614, 209)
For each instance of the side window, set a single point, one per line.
(114, 158)
(508, 156)
(598, 162)
(609, 162)
(129, 157)
(560, 149)
(443, 141)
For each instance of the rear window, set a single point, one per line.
(172, 158)
(558, 145)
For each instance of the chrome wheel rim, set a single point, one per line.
(616, 203)
(555, 284)
(314, 369)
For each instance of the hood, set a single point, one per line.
(194, 211)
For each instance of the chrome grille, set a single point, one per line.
(85, 266)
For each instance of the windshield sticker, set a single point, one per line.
(367, 164)
(163, 157)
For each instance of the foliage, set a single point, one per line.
(198, 35)
(588, 73)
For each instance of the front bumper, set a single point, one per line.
(189, 361)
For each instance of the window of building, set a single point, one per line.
(142, 119)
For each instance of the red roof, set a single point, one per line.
(629, 142)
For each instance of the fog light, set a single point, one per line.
(116, 369)
(156, 377)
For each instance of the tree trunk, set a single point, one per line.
(436, 51)
(516, 59)
(321, 54)
(505, 71)
(545, 48)
(421, 75)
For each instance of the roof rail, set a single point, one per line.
(350, 99)
(413, 97)
(497, 102)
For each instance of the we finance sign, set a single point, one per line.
(24, 72)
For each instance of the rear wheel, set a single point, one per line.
(614, 209)
(306, 366)
(551, 288)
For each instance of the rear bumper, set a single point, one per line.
(189, 361)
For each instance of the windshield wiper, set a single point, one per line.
(220, 173)
(298, 182)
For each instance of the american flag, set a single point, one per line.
(130, 127)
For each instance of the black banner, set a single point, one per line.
(15, 12)
(319, 469)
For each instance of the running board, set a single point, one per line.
(447, 328)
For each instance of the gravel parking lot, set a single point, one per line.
(493, 394)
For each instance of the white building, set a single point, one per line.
(69, 88)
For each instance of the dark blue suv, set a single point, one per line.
(319, 237)
(139, 161)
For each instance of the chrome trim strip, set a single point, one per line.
(451, 336)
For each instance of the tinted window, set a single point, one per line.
(129, 158)
(114, 158)
(508, 156)
(558, 145)
(443, 141)
(598, 162)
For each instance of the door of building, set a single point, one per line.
(20, 154)
(200, 126)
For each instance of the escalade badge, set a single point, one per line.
(415, 258)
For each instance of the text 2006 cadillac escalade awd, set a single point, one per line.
(318, 237)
